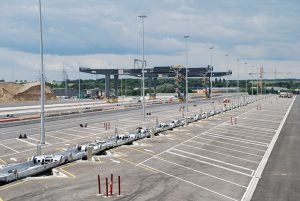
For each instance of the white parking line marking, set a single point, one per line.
(219, 161)
(170, 175)
(9, 148)
(208, 163)
(78, 136)
(236, 139)
(252, 127)
(238, 134)
(248, 131)
(30, 143)
(221, 153)
(225, 122)
(218, 141)
(201, 172)
(257, 175)
(260, 119)
(225, 148)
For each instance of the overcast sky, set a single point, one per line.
(107, 34)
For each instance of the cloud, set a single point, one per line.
(108, 33)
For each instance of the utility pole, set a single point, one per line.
(186, 75)
(42, 134)
(211, 74)
(143, 69)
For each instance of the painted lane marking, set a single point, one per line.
(9, 148)
(114, 161)
(136, 164)
(12, 185)
(222, 142)
(201, 172)
(199, 186)
(236, 139)
(212, 159)
(257, 175)
(237, 134)
(2, 161)
(195, 136)
(30, 143)
(221, 154)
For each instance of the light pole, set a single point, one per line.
(143, 67)
(42, 134)
(238, 81)
(246, 78)
(186, 74)
(211, 74)
(226, 55)
(252, 81)
(79, 83)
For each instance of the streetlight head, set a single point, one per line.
(211, 48)
(226, 55)
(142, 16)
(186, 36)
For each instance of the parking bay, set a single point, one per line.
(208, 160)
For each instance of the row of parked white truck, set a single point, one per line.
(196, 117)
(40, 163)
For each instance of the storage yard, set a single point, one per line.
(218, 158)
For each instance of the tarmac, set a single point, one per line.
(280, 180)
(211, 160)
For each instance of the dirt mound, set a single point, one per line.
(11, 92)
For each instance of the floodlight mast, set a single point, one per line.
(143, 69)
(186, 75)
(42, 116)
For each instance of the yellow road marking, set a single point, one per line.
(68, 173)
(3, 163)
(136, 164)
(12, 185)
(65, 171)
(67, 165)
(60, 149)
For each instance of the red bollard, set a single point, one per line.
(99, 186)
(111, 184)
(106, 187)
(119, 182)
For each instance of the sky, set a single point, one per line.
(108, 34)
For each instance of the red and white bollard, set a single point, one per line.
(99, 185)
(111, 184)
(119, 184)
(106, 181)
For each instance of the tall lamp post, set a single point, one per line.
(79, 83)
(211, 74)
(186, 74)
(252, 81)
(246, 78)
(226, 55)
(238, 80)
(143, 67)
(42, 134)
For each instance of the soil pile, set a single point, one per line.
(12, 92)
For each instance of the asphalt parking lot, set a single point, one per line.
(214, 159)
